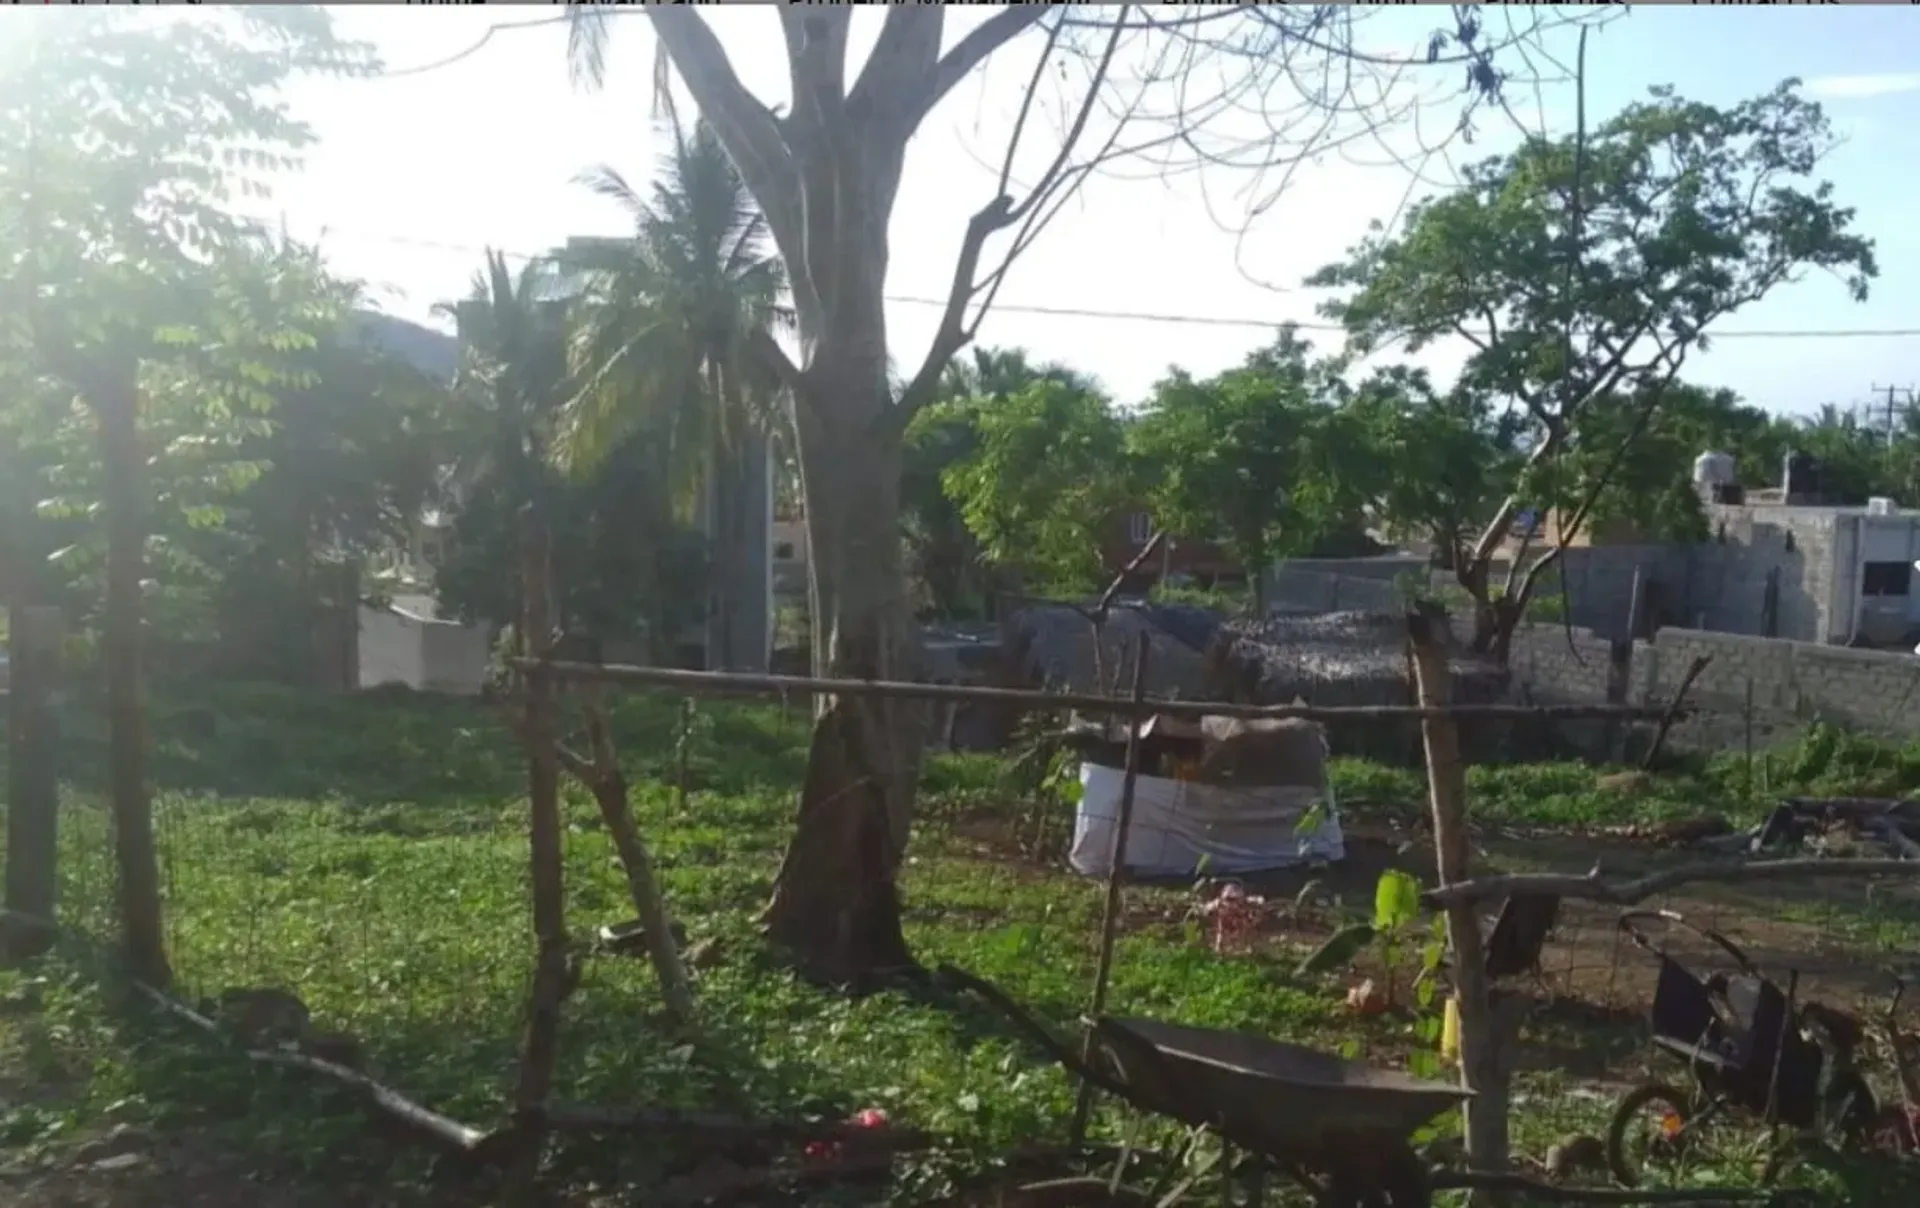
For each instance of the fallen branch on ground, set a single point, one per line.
(1592, 887)
(445, 1130)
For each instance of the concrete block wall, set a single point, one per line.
(1792, 683)
(1871, 690)
(1548, 668)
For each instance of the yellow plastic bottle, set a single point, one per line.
(1450, 1030)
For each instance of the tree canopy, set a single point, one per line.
(1586, 269)
(1263, 459)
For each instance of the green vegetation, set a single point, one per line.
(370, 853)
(207, 443)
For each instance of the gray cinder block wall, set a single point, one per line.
(1792, 683)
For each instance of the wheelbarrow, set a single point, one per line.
(1341, 1129)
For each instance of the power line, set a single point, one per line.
(1145, 316)
(479, 44)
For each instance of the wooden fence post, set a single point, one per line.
(1116, 874)
(33, 780)
(114, 394)
(1482, 1067)
(540, 1049)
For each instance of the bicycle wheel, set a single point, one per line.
(1649, 1127)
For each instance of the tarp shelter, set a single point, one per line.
(1226, 796)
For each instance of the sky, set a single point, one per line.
(417, 171)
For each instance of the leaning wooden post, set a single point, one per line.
(609, 786)
(541, 1046)
(1482, 1067)
(33, 781)
(1116, 875)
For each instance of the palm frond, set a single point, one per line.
(587, 37)
(610, 184)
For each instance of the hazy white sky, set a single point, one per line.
(417, 172)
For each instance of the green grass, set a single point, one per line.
(370, 853)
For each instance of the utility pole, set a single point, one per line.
(1893, 394)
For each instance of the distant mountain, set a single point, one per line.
(434, 353)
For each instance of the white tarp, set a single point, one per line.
(1184, 827)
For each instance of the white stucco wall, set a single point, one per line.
(404, 644)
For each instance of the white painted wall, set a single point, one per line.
(404, 644)
(391, 649)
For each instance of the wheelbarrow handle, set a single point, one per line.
(1631, 920)
(1040, 1034)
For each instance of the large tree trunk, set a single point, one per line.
(115, 401)
(836, 905)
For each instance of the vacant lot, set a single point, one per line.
(370, 854)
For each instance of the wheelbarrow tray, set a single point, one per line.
(1280, 1099)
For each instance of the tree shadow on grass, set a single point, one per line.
(313, 1141)
(393, 746)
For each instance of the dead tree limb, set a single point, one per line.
(1591, 887)
(444, 1131)
(1481, 1066)
(1103, 608)
(1672, 715)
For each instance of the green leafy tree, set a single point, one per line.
(123, 142)
(1581, 269)
(1857, 460)
(330, 482)
(1649, 494)
(1261, 459)
(943, 553)
(1048, 472)
(1446, 461)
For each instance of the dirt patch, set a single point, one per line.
(178, 1174)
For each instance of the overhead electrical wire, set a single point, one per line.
(479, 44)
(1146, 316)
(1068, 312)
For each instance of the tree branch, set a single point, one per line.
(817, 59)
(747, 128)
(1590, 887)
(903, 57)
(952, 334)
(972, 50)
(955, 332)
(1572, 528)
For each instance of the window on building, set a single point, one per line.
(1139, 528)
(1886, 579)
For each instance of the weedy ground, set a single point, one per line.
(370, 854)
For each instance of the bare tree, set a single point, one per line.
(1156, 87)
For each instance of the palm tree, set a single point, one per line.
(514, 369)
(664, 344)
